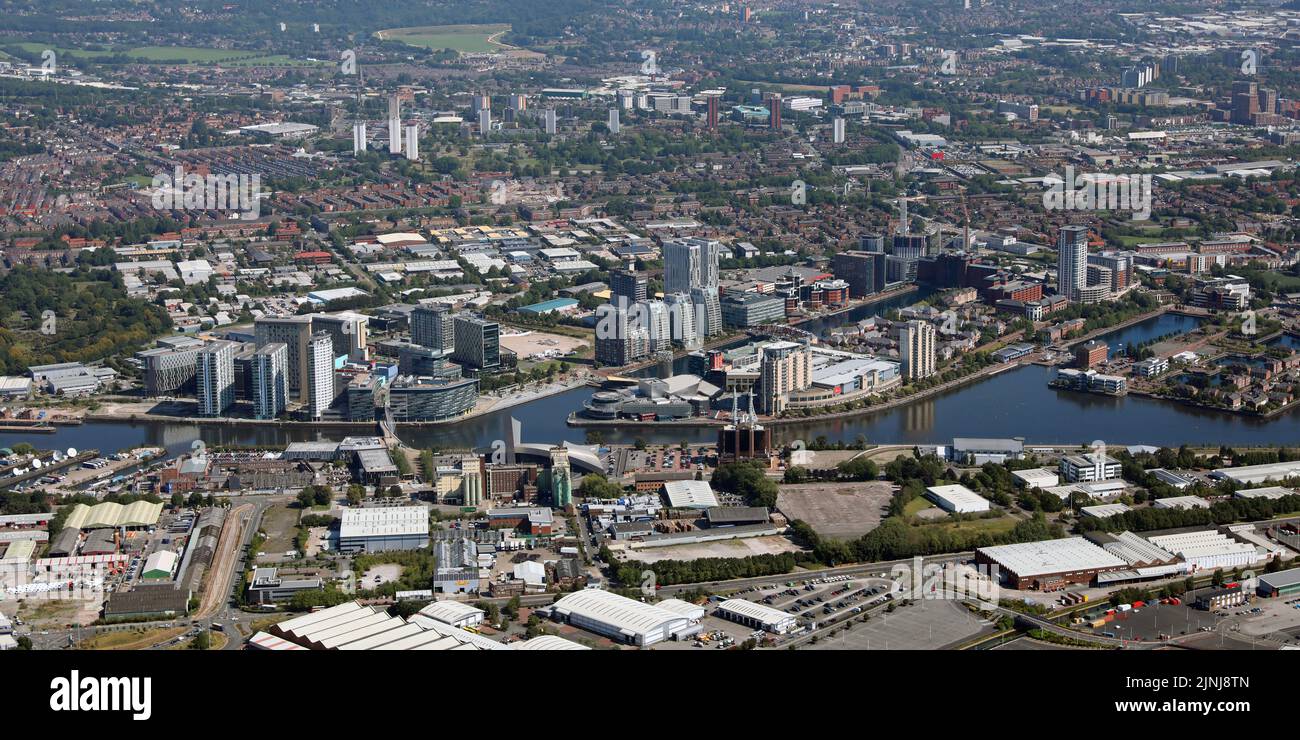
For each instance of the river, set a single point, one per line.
(1016, 403)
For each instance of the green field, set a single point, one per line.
(176, 55)
(466, 39)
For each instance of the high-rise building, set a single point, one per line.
(708, 311)
(347, 330)
(561, 478)
(614, 125)
(872, 243)
(294, 332)
(1072, 261)
(838, 130)
(169, 370)
(477, 341)
(518, 103)
(627, 284)
(784, 368)
(1245, 102)
(214, 375)
(550, 121)
(691, 263)
(413, 143)
(358, 137)
(320, 374)
(916, 348)
(626, 341)
(432, 326)
(394, 124)
(774, 111)
(269, 382)
(1267, 100)
(655, 318)
(863, 271)
(484, 122)
(682, 315)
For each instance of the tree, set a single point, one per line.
(356, 494)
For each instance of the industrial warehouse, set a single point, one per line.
(622, 619)
(384, 528)
(758, 616)
(1106, 559)
(352, 626)
(1049, 564)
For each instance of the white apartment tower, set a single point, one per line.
(1072, 261)
(916, 348)
(320, 374)
(413, 143)
(358, 137)
(691, 263)
(214, 374)
(270, 380)
(394, 124)
(785, 367)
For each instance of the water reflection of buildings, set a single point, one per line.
(919, 416)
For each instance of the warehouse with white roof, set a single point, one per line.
(1037, 477)
(352, 626)
(957, 499)
(755, 615)
(1251, 474)
(383, 528)
(1181, 502)
(1049, 564)
(622, 619)
(1208, 549)
(1269, 492)
(454, 613)
(690, 494)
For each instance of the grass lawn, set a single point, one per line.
(261, 625)
(473, 39)
(992, 526)
(1274, 281)
(130, 639)
(917, 504)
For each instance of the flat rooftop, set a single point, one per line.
(1048, 557)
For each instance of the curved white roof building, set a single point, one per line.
(622, 619)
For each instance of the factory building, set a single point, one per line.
(755, 615)
(1281, 583)
(622, 619)
(957, 499)
(454, 613)
(384, 528)
(1049, 565)
(1208, 550)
